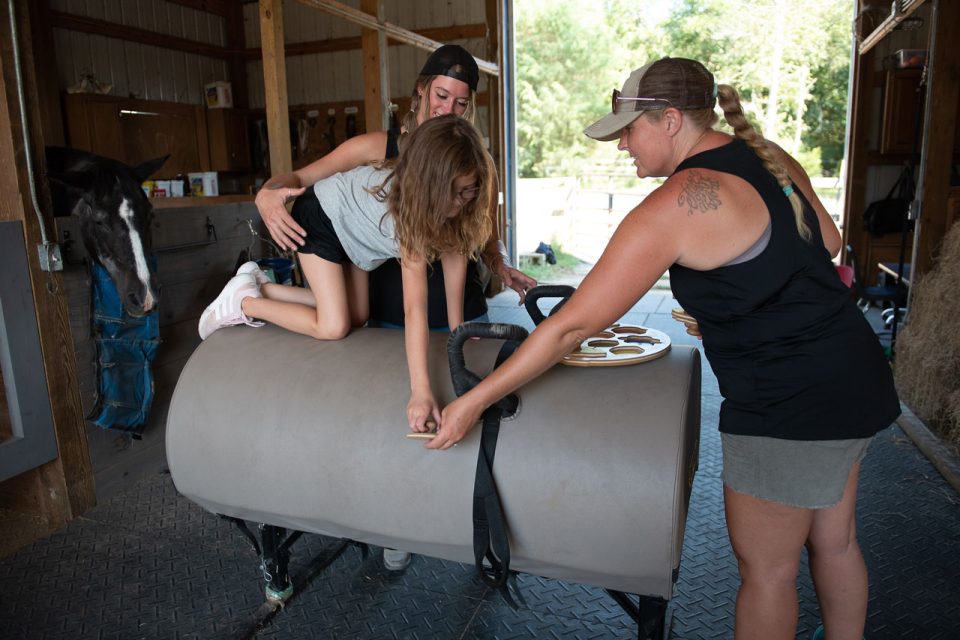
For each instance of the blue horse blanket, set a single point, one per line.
(125, 348)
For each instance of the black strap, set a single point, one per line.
(491, 546)
(904, 186)
(490, 542)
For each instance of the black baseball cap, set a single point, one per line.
(454, 61)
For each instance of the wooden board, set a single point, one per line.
(619, 345)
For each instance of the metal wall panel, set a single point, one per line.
(155, 73)
(139, 70)
(418, 15)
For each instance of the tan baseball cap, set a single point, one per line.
(668, 82)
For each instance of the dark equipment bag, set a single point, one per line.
(889, 215)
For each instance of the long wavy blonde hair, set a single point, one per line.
(419, 190)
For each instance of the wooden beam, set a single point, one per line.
(45, 61)
(236, 65)
(235, 48)
(442, 34)
(398, 33)
(133, 34)
(374, 71)
(904, 11)
(859, 161)
(492, 12)
(62, 489)
(275, 86)
(222, 8)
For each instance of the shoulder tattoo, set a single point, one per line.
(699, 193)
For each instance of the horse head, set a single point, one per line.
(114, 216)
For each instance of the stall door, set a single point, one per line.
(27, 439)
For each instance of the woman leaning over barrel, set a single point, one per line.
(803, 377)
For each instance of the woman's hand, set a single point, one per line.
(516, 280)
(693, 328)
(456, 421)
(283, 229)
(422, 407)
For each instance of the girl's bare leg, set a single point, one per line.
(839, 574)
(767, 539)
(329, 316)
(286, 293)
(358, 294)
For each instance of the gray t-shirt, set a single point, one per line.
(364, 228)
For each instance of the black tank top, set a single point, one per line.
(386, 283)
(793, 355)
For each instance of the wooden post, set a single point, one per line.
(275, 85)
(494, 104)
(862, 78)
(943, 96)
(373, 43)
(62, 489)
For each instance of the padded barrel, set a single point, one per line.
(594, 472)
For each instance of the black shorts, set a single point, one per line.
(321, 240)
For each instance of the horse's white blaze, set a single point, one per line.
(136, 243)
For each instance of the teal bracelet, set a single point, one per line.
(788, 190)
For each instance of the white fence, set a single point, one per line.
(581, 219)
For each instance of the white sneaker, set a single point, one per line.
(395, 560)
(254, 269)
(225, 311)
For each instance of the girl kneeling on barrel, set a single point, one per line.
(430, 203)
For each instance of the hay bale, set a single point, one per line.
(927, 368)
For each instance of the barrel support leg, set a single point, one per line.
(649, 613)
(275, 563)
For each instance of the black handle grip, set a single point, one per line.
(562, 291)
(463, 378)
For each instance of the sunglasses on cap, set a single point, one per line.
(654, 103)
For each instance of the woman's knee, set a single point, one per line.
(769, 571)
(331, 328)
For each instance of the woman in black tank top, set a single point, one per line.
(749, 248)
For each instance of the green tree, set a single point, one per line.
(563, 62)
(788, 59)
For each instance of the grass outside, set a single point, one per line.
(567, 265)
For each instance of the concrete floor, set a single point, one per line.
(147, 563)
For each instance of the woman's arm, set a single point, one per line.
(416, 336)
(454, 280)
(494, 255)
(280, 189)
(646, 243)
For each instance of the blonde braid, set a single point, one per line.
(729, 101)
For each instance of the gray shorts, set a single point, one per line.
(809, 474)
